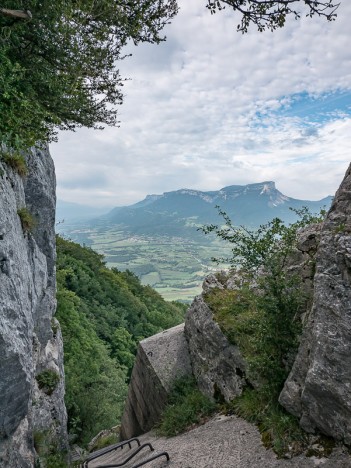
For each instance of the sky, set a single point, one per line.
(211, 107)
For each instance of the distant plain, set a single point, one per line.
(174, 266)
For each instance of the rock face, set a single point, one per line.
(318, 389)
(218, 366)
(30, 339)
(161, 359)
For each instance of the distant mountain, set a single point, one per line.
(177, 213)
(157, 238)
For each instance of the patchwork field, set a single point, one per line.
(173, 266)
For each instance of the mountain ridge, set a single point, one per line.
(250, 205)
(160, 238)
(266, 187)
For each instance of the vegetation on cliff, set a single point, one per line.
(262, 316)
(186, 407)
(103, 314)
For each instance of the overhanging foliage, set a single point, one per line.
(58, 69)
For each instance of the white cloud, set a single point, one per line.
(203, 111)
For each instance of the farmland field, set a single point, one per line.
(174, 266)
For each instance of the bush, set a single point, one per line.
(27, 221)
(47, 450)
(262, 317)
(16, 161)
(186, 406)
(48, 380)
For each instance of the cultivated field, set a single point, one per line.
(175, 267)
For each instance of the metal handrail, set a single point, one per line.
(109, 449)
(163, 454)
(130, 457)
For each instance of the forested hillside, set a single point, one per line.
(103, 314)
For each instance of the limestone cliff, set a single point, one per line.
(318, 389)
(31, 355)
(218, 367)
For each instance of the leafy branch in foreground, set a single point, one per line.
(271, 14)
(268, 246)
(58, 69)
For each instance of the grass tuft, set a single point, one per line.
(105, 441)
(17, 162)
(279, 429)
(187, 406)
(27, 220)
(47, 450)
(48, 380)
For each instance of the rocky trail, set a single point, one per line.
(223, 442)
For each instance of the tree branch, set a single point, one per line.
(20, 14)
(271, 14)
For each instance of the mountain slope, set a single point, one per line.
(177, 213)
(103, 314)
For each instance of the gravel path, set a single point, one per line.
(223, 442)
(230, 442)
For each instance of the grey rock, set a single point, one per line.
(318, 389)
(218, 366)
(27, 304)
(213, 281)
(161, 359)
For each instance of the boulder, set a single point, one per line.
(218, 366)
(161, 359)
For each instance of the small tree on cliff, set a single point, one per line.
(58, 62)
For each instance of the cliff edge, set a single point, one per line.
(318, 389)
(31, 353)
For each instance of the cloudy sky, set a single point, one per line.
(211, 107)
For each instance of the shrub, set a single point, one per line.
(27, 221)
(48, 380)
(47, 450)
(16, 161)
(262, 317)
(186, 406)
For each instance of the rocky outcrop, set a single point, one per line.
(218, 366)
(30, 339)
(318, 389)
(161, 359)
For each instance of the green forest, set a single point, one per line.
(103, 314)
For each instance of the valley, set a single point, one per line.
(175, 267)
(158, 238)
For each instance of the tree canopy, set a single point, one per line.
(59, 60)
(103, 315)
(59, 67)
(271, 14)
